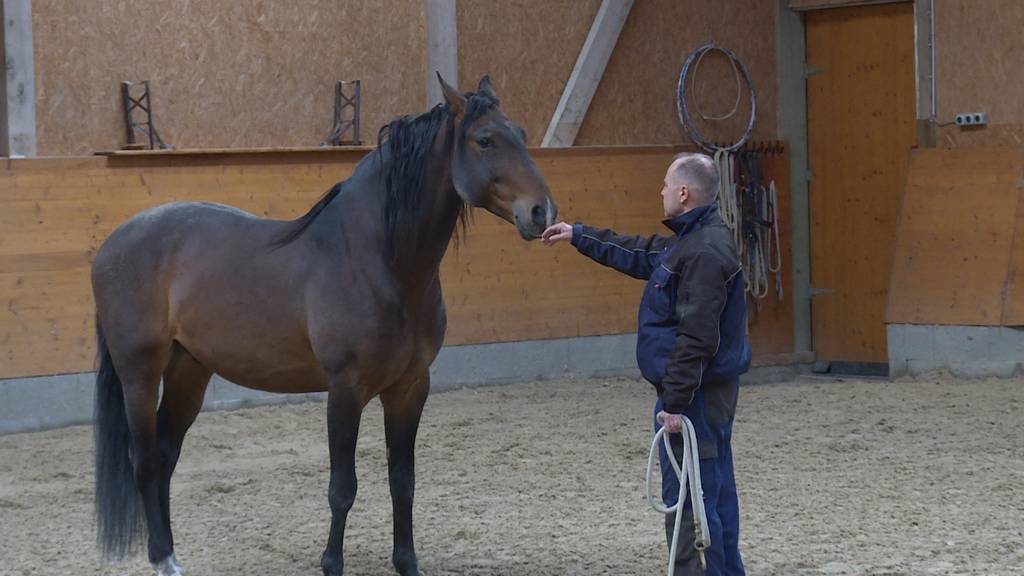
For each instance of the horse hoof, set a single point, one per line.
(406, 565)
(169, 567)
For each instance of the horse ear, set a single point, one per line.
(486, 88)
(455, 100)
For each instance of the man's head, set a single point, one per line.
(690, 182)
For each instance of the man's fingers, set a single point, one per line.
(552, 230)
(556, 233)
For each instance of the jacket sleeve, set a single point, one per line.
(633, 255)
(699, 304)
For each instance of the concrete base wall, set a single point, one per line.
(28, 404)
(966, 351)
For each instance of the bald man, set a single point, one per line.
(691, 342)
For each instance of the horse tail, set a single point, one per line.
(118, 505)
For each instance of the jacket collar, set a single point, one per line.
(693, 219)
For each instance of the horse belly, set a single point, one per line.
(267, 373)
(269, 362)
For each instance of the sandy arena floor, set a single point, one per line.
(858, 477)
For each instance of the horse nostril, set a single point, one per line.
(538, 214)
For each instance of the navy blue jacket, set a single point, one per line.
(693, 315)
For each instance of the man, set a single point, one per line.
(691, 343)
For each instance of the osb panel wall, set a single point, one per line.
(636, 100)
(55, 212)
(978, 51)
(812, 4)
(224, 74)
(531, 58)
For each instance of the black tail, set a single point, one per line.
(118, 506)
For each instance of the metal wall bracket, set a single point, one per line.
(811, 70)
(814, 292)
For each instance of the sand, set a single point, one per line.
(546, 478)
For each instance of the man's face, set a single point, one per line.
(673, 195)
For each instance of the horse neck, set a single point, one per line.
(416, 258)
(419, 259)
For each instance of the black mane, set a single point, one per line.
(406, 141)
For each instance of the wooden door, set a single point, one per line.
(861, 125)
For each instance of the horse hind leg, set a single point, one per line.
(140, 365)
(185, 381)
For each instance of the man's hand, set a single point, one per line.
(556, 233)
(671, 422)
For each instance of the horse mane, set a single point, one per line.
(406, 141)
(298, 226)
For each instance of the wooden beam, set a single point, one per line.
(586, 75)
(791, 53)
(824, 4)
(17, 85)
(442, 47)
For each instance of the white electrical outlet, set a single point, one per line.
(972, 119)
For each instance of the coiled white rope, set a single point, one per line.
(725, 161)
(775, 243)
(761, 255)
(688, 474)
(696, 95)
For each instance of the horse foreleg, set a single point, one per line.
(345, 402)
(403, 405)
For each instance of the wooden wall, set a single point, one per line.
(54, 213)
(860, 127)
(531, 58)
(977, 48)
(816, 4)
(636, 100)
(244, 73)
(978, 51)
(255, 73)
(959, 255)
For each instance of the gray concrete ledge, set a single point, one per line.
(29, 404)
(964, 351)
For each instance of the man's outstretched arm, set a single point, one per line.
(633, 255)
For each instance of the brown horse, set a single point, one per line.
(345, 299)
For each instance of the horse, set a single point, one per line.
(345, 299)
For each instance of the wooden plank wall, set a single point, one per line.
(54, 213)
(860, 110)
(959, 255)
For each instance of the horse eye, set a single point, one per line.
(484, 142)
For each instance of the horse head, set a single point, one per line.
(490, 165)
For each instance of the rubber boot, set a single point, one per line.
(687, 561)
